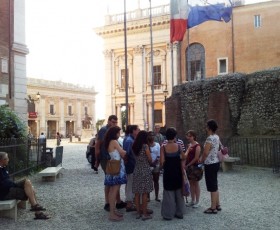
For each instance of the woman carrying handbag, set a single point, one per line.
(194, 172)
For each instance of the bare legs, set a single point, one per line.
(30, 193)
(113, 191)
(215, 201)
(142, 208)
(195, 191)
(106, 191)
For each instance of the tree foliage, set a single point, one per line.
(10, 124)
(99, 124)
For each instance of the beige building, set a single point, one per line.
(55, 106)
(246, 44)
(139, 65)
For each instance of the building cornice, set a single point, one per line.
(20, 48)
(134, 27)
(42, 83)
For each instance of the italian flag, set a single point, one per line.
(179, 11)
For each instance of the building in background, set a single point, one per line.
(55, 106)
(139, 65)
(246, 44)
(13, 53)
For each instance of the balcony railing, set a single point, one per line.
(137, 14)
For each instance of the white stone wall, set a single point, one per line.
(20, 51)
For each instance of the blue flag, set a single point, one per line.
(199, 14)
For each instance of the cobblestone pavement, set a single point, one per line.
(249, 198)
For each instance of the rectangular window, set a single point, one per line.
(86, 110)
(31, 106)
(257, 21)
(157, 75)
(222, 66)
(195, 70)
(52, 109)
(122, 86)
(158, 116)
(70, 110)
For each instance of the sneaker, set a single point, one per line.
(196, 205)
(190, 204)
(120, 205)
(107, 207)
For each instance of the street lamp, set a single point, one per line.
(165, 93)
(37, 98)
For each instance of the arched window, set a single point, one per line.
(195, 62)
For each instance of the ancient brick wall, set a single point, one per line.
(245, 105)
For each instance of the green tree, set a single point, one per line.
(10, 124)
(99, 124)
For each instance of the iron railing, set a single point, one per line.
(276, 155)
(25, 155)
(254, 151)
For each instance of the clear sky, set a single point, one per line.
(62, 44)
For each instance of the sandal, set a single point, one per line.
(37, 207)
(41, 216)
(211, 211)
(115, 219)
(118, 214)
(146, 217)
(130, 209)
(218, 207)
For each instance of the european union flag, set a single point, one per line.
(200, 14)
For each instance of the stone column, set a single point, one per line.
(176, 64)
(169, 80)
(130, 75)
(149, 104)
(138, 117)
(79, 118)
(131, 109)
(119, 114)
(163, 114)
(163, 73)
(109, 77)
(61, 113)
(42, 114)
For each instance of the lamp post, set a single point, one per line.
(165, 93)
(31, 99)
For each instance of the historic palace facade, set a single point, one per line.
(139, 65)
(248, 43)
(55, 106)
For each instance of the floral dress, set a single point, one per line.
(142, 176)
(111, 180)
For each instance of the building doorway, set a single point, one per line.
(51, 129)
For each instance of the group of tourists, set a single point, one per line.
(138, 161)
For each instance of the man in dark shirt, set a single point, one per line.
(21, 190)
